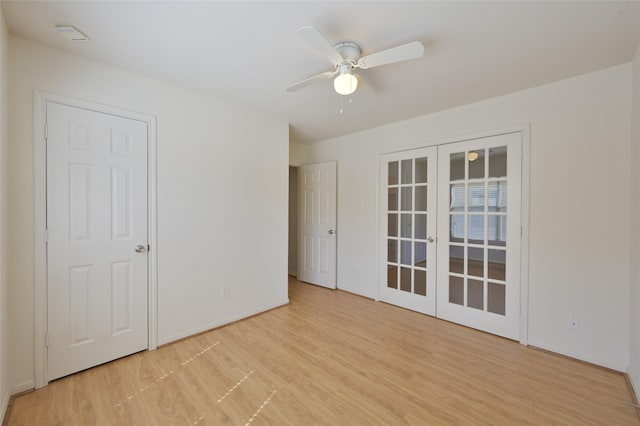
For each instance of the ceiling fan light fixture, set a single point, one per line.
(345, 56)
(345, 84)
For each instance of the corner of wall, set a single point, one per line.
(634, 287)
(295, 153)
(4, 369)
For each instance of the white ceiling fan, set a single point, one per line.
(345, 57)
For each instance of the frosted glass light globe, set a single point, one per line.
(345, 84)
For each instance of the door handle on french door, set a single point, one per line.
(430, 239)
(140, 248)
(332, 231)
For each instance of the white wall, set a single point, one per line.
(295, 154)
(634, 299)
(579, 203)
(222, 197)
(4, 174)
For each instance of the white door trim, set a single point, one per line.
(40, 203)
(525, 130)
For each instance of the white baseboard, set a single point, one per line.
(3, 408)
(21, 387)
(15, 389)
(207, 327)
(634, 386)
(569, 354)
(293, 273)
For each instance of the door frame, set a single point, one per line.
(525, 131)
(40, 208)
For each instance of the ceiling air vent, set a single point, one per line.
(70, 32)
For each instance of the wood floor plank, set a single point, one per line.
(332, 358)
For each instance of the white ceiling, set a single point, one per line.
(247, 53)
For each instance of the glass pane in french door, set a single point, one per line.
(477, 235)
(408, 206)
(479, 258)
(407, 200)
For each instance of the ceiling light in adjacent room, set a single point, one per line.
(72, 33)
(473, 156)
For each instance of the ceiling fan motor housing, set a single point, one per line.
(349, 51)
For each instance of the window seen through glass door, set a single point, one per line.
(478, 224)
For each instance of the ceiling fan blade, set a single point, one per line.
(412, 50)
(317, 40)
(309, 81)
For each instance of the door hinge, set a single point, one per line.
(148, 247)
(46, 131)
(46, 340)
(46, 236)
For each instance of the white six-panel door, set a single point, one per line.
(317, 224)
(97, 238)
(465, 199)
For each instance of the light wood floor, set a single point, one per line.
(336, 359)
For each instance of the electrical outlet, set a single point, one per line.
(574, 324)
(224, 293)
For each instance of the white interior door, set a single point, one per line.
(408, 194)
(97, 238)
(317, 224)
(479, 233)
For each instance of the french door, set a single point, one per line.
(472, 235)
(408, 184)
(479, 233)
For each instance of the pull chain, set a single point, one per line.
(342, 103)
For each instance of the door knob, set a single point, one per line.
(430, 239)
(331, 232)
(140, 248)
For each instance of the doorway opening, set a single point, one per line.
(293, 221)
